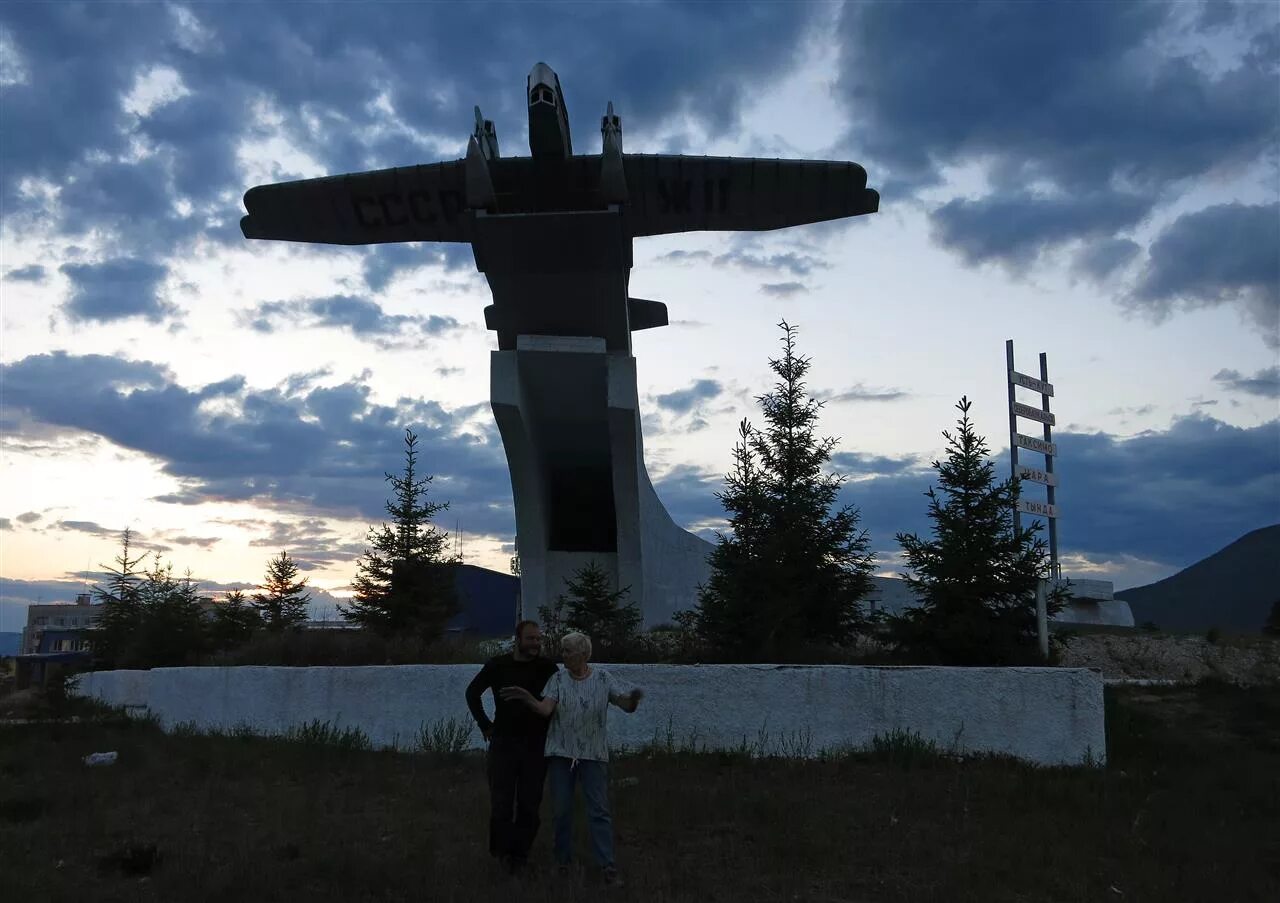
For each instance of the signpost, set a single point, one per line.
(1047, 509)
(1045, 446)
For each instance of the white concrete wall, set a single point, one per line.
(1050, 716)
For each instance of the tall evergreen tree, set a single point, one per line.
(120, 611)
(405, 581)
(976, 578)
(796, 566)
(591, 605)
(283, 601)
(1273, 620)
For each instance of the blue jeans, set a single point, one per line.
(594, 777)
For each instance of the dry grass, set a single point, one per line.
(1186, 810)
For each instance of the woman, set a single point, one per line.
(576, 699)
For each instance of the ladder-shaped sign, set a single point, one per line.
(1044, 446)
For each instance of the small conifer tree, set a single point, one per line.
(120, 611)
(591, 605)
(405, 581)
(282, 602)
(976, 577)
(234, 621)
(172, 632)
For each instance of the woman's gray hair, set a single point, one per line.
(575, 644)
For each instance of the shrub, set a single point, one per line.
(323, 733)
(446, 736)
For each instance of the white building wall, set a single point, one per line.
(1051, 716)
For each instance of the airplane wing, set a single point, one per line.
(407, 203)
(671, 193)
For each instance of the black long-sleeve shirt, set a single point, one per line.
(511, 718)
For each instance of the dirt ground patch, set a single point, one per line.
(1246, 661)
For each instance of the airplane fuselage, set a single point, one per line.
(549, 136)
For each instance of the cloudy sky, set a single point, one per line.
(1100, 182)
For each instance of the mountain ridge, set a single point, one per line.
(1233, 589)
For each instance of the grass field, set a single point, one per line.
(1187, 809)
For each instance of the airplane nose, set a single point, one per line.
(542, 74)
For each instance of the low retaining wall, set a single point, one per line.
(1051, 716)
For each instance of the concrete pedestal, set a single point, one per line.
(568, 411)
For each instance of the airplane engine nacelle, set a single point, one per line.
(613, 178)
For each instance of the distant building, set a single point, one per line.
(68, 619)
(489, 600)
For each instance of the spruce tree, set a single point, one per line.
(405, 581)
(976, 577)
(283, 601)
(590, 605)
(795, 567)
(120, 609)
(234, 621)
(172, 631)
(1273, 620)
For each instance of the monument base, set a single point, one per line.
(567, 409)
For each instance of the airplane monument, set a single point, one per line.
(552, 233)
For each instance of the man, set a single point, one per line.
(516, 737)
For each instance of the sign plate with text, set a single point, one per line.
(1030, 382)
(1025, 410)
(1036, 445)
(1036, 475)
(1040, 508)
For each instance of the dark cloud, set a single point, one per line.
(32, 273)
(1226, 253)
(679, 256)
(352, 88)
(783, 289)
(29, 517)
(1140, 410)
(786, 262)
(860, 465)
(85, 526)
(1265, 382)
(1100, 258)
(382, 263)
(751, 260)
(136, 540)
(860, 392)
(5, 523)
(1000, 83)
(116, 290)
(1081, 116)
(311, 541)
(361, 317)
(1014, 228)
(203, 542)
(682, 401)
(446, 372)
(324, 450)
